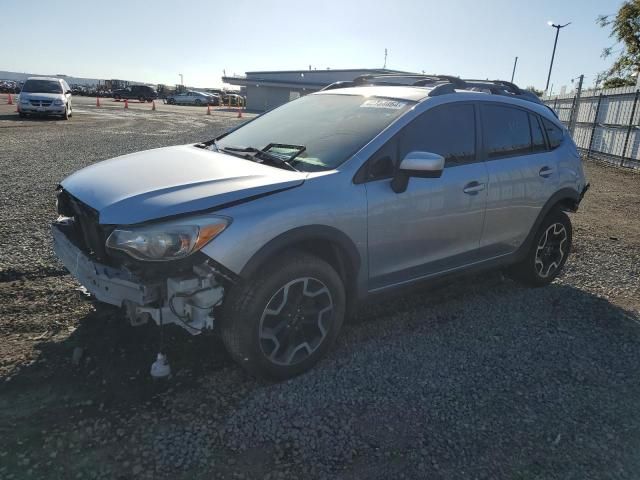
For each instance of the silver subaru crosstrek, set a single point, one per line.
(274, 232)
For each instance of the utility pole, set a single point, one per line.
(555, 43)
(385, 58)
(515, 62)
(181, 79)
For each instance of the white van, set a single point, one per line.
(45, 96)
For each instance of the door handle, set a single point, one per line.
(546, 172)
(472, 188)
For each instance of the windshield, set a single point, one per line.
(331, 127)
(42, 86)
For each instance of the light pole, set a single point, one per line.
(557, 27)
(181, 80)
(515, 62)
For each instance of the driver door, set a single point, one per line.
(436, 224)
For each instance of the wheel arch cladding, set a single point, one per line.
(327, 243)
(565, 199)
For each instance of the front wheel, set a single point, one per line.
(548, 253)
(282, 322)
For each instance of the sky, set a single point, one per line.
(154, 41)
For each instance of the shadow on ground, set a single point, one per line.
(553, 393)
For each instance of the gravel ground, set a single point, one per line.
(476, 379)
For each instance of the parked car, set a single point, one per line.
(144, 93)
(192, 97)
(45, 96)
(9, 86)
(275, 231)
(233, 99)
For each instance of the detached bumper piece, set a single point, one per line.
(186, 300)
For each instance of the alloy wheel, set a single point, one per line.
(296, 321)
(551, 250)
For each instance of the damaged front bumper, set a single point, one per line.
(187, 299)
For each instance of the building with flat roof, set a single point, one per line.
(267, 90)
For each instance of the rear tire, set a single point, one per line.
(548, 253)
(281, 322)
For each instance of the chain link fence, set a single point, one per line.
(605, 124)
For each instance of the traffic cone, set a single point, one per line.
(9, 99)
(98, 102)
(126, 103)
(153, 105)
(208, 109)
(239, 113)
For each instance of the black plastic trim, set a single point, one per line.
(299, 235)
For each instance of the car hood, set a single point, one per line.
(170, 181)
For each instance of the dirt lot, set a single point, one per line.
(477, 379)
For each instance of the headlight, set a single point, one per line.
(24, 100)
(58, 102)
(167, 241)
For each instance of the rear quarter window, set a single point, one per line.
(554, 133)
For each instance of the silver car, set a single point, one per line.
(274, 232)
(45, 96)
(193, 98)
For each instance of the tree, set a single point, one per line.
(533, 89)
(625, 28)
(615, 82)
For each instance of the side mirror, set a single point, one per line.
(417, 164)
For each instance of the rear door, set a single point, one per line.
(522, 175)
(436, 224)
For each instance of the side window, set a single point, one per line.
(448, 130)
(537, 136)
(506, 131)
(554, 133)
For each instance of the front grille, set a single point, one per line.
(41, 103)
(88, 234)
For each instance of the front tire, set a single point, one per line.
(280, 323)
(548, 253)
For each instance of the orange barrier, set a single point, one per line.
(9, 99)
(153, 105)
(239, 112)
(126, 103)
(208, 109)
(98, 102)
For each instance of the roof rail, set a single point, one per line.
(441, 84)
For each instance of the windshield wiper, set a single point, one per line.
(263, 155)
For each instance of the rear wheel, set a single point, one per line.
(198, 102)
(171, 101)
(548, 253)
(282, 322)
(141, 99)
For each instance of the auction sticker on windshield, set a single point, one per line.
(379, 103)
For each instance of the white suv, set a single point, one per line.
(45, 96)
